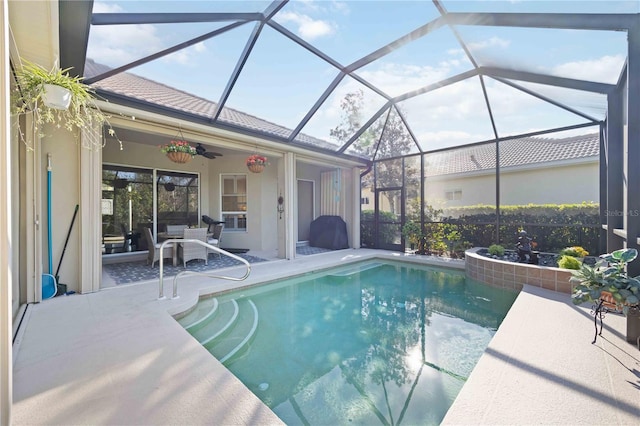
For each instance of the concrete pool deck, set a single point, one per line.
(117, 357)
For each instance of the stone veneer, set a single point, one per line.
(503, 274)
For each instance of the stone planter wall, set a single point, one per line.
(499, 273)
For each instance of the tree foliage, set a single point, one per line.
(384, 141)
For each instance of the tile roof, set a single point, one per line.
(145, 90)
(513, 152)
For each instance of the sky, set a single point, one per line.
(281, 80)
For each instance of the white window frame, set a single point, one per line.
(223, 213)
(453, 194)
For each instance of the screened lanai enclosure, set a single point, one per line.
(472, 119)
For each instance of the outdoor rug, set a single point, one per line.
(124, 273)
(307, 250)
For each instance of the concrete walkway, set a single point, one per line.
(541, 368)
(118, 357)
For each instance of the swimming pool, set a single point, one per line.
(371, 343)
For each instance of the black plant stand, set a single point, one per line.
(598, 311)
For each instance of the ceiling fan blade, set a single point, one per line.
(200, 150)
(215, 154)
(209, 155)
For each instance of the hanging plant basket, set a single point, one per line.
(178, 149)
(59, 99)
(255, 163)
(179, 157)
(56, 97)
(256, 168)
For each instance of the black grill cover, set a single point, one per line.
(329, 232)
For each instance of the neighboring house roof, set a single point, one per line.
(145, 90)
(513, 153)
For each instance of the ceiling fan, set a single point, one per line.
(201, 150)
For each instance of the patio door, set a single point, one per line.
(306, 196)
(389, 212)
(130, 204)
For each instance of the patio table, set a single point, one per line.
(162, 236)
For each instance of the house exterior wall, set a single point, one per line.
(565, 183)
(556, 184)
(260, 234)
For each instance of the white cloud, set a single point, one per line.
(120, 44)
(491, 43)
(308, 27)
(123, 43)
(340, 7)
(397, 79)
(604, 69)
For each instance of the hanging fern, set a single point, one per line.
(83, 112)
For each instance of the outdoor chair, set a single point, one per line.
(130, 239)
(154, 248)
(215, 238)
(190, 251)
(175, 229)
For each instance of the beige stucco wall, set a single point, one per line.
(261, 233)
(562, 183)
(554, 184)
(65, 194)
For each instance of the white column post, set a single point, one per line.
(6, 284)
(290, 203)
(90, 179)
(355, 218)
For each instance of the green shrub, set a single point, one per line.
(496, 249)
(551, 225)
(575, 251)
(569, 262)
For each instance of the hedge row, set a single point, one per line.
(552, 226)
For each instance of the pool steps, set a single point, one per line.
(216, 320)
(201, 309)
(208, 315)
(247, 337)
(226, 327)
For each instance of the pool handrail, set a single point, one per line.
(208, 246)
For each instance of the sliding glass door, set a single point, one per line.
(178, 197)
(130, 204)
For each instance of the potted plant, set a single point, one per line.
(609, 286)
(57, 98)
(178, 151)
(255, 163)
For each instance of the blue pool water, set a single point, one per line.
(372, 343)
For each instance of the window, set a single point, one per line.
(234, 202)
(455, 194)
